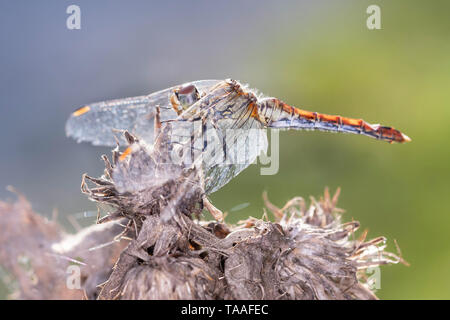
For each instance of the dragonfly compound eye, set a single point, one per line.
(187, 95)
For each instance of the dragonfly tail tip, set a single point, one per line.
(406, 138)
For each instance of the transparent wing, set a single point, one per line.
(227, 141)
(97, 122)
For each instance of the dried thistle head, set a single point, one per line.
(323, 259)
(307, 253)
(143, 180)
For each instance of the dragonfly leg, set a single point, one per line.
(221, 137)
(157, 122)
(216, 213)
(205, 139)
(175, 104)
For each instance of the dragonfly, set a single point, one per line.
(223, 121)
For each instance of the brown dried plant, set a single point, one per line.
(153, 245)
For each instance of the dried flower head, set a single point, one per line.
(307, 253)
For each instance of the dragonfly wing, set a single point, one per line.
(228, 141)
(240, 146)
(97, 122)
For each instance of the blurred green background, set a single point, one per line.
(317, 56)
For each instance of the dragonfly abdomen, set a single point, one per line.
(357, 126)
(279, 115)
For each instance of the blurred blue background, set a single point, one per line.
(317, 55)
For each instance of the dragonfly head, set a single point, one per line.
(187, 95)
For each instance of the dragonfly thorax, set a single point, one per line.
(272, 110)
